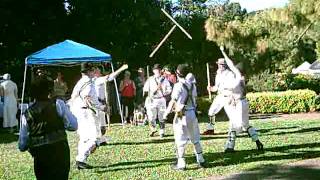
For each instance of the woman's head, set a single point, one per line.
(127, 74)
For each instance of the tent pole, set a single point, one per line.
(23, 89)
(118, 98)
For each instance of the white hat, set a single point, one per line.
(6, 76)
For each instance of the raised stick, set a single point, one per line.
(208, 78)
(162, 41)
(176, 23)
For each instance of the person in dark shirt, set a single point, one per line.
(42, 132)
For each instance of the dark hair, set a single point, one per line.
(41, 87)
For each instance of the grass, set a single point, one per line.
(133, 155)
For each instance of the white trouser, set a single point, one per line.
(184, 129)
(9, 112)
(218, 103)
(101, 122)
(87, 131)
(238, 113)
(156, 109)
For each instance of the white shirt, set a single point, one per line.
(151, 87)
(84, 89)
(180, 94)
(100, 87)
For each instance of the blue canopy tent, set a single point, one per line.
(67, 53)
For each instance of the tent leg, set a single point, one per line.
(23, 89)
(118, 98)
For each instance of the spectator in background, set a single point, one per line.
(169, 74)
(60, 87)
(140, 80)
(128, 93)
(10, 108)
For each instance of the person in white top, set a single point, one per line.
(10, 108)
(223, 84)
(155, 89)
(100, 88)
(85, 105)
(237, 108)
(185, 123)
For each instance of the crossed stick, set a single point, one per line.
(176, 24)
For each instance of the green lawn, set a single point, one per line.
(133, 155)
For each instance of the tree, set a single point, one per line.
(273, 39)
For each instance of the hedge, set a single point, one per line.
(292, 101)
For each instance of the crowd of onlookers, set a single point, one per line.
(130, 91)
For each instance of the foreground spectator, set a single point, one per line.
(43, 134)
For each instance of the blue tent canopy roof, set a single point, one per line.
(67, 52)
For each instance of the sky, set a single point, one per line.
(253, 5)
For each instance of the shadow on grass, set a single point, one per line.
(215, 159)
(279, 172)
(263, 116)
(277, 128)
(247, 156)
(7, 137)
(169, 138)
(304, 130)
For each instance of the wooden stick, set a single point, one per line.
(176, 23)
(162, 41)
(208, 78)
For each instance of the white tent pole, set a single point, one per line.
(118, 98)
(23, 89)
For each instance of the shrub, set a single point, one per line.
(304, 82)
(291, 101)
(266, 81)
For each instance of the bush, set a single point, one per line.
(291, 101)
(203, 104)
(304, 82)
(281, 82)
(267, 81)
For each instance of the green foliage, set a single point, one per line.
(274, 39)
(267, 81)
(292, 101)
(203, 104)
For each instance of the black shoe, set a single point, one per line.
(152, 133)
(202, 165)
(259, 145)
(208, 132)
(229, 150)
(83, 165)
(104, 143)
(176, 168)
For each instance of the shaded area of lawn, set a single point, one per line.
(278, 172)
(133, 155)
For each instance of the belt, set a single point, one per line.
(157, 97)
(50, 138)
